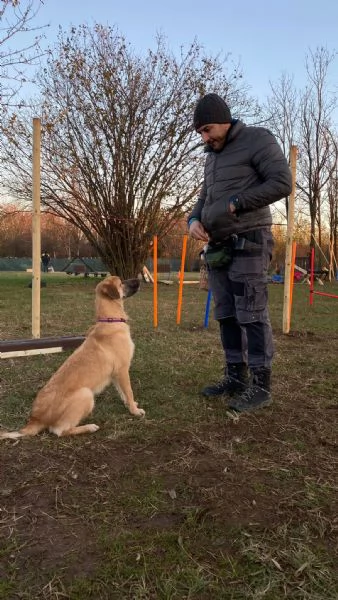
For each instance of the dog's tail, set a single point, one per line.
(33, 427)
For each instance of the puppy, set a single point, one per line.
(104, 357)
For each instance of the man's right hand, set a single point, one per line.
(197, 231)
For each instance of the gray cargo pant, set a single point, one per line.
(240, 297)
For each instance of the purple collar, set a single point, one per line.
(111, 320)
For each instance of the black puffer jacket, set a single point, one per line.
(252, 167)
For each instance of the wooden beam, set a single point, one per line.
(16, 348)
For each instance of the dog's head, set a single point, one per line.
(116, 289)
(130, 287)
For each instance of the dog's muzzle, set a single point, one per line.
(130, 287)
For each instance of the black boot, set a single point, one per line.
(256, 396)
(235, 382)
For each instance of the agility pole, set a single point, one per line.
(292, 277)
(207, 309)
(180, 288)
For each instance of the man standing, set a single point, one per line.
(245, 171)
(45, 259)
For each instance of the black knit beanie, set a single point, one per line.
(211, 109)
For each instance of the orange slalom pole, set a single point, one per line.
(292, 282)
(180, 289)
(155, 282)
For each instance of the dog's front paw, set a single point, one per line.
(139, 412)
(92, 428)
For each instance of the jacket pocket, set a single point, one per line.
(216, 215)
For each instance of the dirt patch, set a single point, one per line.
(71, 507)
(235, 474)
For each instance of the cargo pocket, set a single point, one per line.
(252, 304)
(256, 294)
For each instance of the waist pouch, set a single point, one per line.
(217, 256)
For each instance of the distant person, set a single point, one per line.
(45, 259)
(245, 172)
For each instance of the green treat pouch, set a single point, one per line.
(218, 256)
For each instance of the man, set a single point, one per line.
(245, 171)
(45, 259)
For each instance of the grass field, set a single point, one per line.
(192, 502)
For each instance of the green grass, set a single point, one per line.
(190, 502)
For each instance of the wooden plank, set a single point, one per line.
(33, 352)
(147, 275)
(301, 270)
(66, 343)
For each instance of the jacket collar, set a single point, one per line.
(236, 127)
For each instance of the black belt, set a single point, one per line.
(238, 240)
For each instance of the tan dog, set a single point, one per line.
(103, 358)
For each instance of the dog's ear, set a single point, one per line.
(109, 289)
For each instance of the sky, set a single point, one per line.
(268, 37)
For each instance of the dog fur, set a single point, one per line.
(103, 358)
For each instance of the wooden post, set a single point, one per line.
(155, 282)
(312, 275)
(331, 267)
(320, 250)
(36, 230)
(289, 240)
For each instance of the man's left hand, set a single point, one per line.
(233, 204)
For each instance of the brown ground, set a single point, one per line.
(263, 474)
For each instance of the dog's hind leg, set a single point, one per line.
(79, 405)
(89, 428)
(33, 427)
(123, 386)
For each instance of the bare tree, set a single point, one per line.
(58, 237)
(304, 117)
(332, 199)
(17, 25)
(120, 157)
(282, 112)
(316, 138)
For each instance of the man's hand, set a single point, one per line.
(197, 231)
(233, 204)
